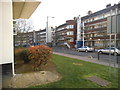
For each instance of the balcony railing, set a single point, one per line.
(95, 29)
(96, 21)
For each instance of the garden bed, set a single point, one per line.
(26, 76)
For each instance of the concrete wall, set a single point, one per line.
(49, 40)
(1, 32)
(6, 32)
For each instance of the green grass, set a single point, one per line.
(74, 76)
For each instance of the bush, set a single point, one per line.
(24, 56)
(39, 55)
(18, 51)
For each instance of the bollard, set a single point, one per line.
(98, 55)
(117, 59)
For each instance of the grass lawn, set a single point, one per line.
(74, 75)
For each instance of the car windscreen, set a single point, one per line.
(118, 48)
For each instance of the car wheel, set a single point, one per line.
(86, 50)
(115, 53)
(100, 52)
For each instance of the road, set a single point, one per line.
(102, 57)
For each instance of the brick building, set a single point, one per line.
(65, 34)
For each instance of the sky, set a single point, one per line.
(63, 10)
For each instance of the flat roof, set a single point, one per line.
(107, 9)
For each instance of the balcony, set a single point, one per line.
(71, 29)
(61, 35)
(42, 34)
(61, 40)
(65, 30)
(96, 21)
(100, 37)
(96, 29)
(71, 36)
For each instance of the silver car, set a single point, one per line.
(86, 49)
(113, 50)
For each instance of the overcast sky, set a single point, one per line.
(64, 10)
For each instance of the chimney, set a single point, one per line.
(89, 12)
(108, 5)
(74, 18)
(119, 5)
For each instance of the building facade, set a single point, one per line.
(41, 36)
(28, 38)
(95, 27)
(65, 34)
(10, 10)
(92, 29)
(24, 39)
(34, 38)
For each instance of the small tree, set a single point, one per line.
(23, 26)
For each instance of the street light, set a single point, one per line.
(48, 32)
(83, 35)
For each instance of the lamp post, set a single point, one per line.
(48, 32)
(83, 36)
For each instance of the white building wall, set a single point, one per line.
(78, 28)
(6, 32)
(49, 34)
(1, 33)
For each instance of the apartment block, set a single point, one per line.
(41, 36)
(23, 39)
(65, 34)
(95, 27)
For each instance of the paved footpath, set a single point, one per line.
(93, 60)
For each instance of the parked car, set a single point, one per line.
(86, 49)
(114, 51)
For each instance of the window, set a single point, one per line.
(70, 26)
(71, 40)
(70, 33)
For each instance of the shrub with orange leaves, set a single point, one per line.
(39, 55)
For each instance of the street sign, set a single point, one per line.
(113, 24)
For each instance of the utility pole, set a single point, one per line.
(110, 42)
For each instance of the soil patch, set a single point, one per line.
(26, 76)
(20, 67)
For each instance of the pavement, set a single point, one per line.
(88, 59)
(102, 57)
